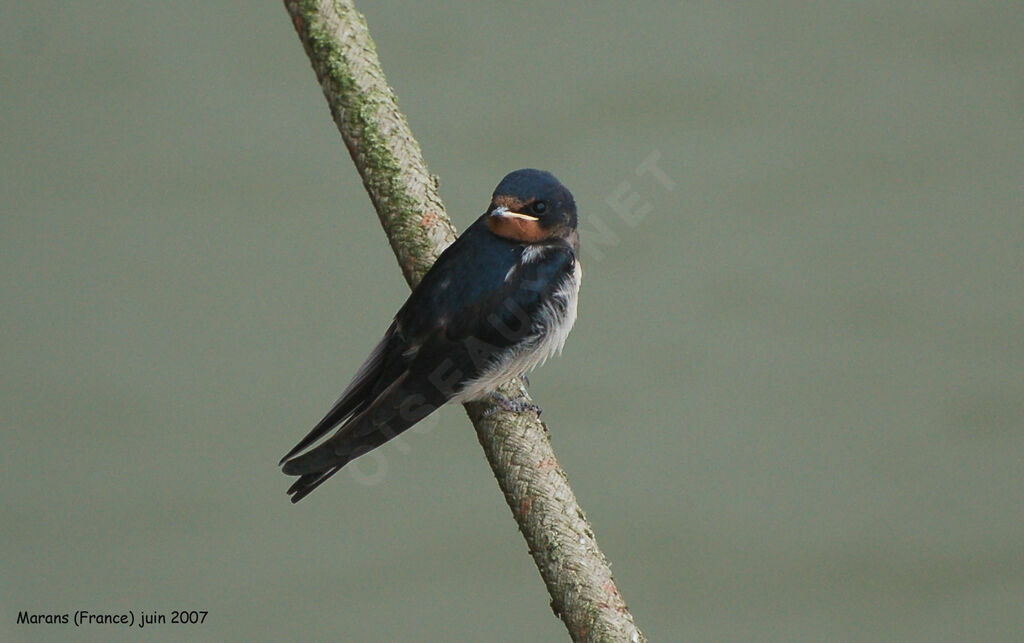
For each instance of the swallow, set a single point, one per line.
(499, 301)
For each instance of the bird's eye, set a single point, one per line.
(539, 207)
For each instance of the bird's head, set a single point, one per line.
(531, 206)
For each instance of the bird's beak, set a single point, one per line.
(505, 213)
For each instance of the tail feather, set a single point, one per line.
(347, 445)
(357, 396)
(316, 466)
(307, 483)
(358, 436)
(406, 400)
(335, 417)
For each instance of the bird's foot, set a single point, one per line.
(513, 406)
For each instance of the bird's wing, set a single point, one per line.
(504, 315)
(356, 395)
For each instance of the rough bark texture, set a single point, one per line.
(578, 578)
(375, 132)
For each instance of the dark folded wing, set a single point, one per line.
(503, 315)
(358, 394)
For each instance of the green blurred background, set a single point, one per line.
(793, 405)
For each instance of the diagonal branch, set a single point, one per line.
(578, 578)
